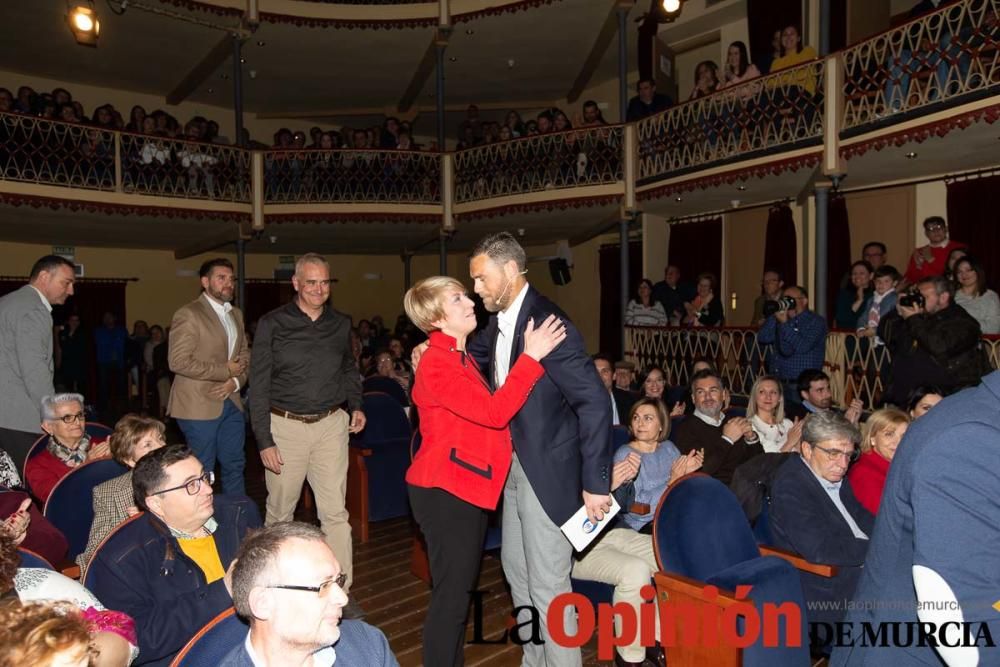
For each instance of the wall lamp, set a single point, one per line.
(83, 23)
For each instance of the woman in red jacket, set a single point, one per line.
(459, 471)
(882, 433)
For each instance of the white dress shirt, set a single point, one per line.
(506, 321)
(224, 310)
(45, 302)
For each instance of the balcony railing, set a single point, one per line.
(947, 54)
(352, 176)
(587, 156)
(772, 112)
(856, 368)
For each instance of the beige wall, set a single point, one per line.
(886, 216)
(160, 290)
(744, 233)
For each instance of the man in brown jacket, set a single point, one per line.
(210, 357)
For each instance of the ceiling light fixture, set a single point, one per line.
(678, 199)
(83, 23)
(470, 31)
(243, 61)
(261, 42)
(452, 59)
(911, 155)
(667, 11)
(742, 188)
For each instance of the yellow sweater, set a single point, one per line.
(202, 550)
(803, 77)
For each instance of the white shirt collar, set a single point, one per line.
(45, 302)
(508, 318)
(325, 657)
(708, 420)
(825, 483)
(221, 308)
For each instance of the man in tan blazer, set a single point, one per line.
(208, 353)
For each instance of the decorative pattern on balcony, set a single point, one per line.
(856, 368)
(352, 176)
(36, 150)
(946, 54)
(766, 114)
(588, 156)
(190, 169)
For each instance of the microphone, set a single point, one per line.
(503, 292)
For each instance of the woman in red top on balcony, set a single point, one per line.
(66, 447)
(461, 466)
(882, 433)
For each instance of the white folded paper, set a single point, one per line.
(581, 531)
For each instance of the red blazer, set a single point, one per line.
(867, 478)
(466, 447)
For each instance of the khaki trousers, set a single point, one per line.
(317, 453)
(625, 559)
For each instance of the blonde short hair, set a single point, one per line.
(424, 301)
(129, 430)
(880, 421)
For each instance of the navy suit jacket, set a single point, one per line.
(360, 645)
(562, 435)
(940, 510)
(805, 520)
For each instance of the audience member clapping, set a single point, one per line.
(851, 300)
(973, 295)
(879, 439)
(67, 445)
(794, 53)
(738, 67)
(766, 412)
(705, 310)
(706, 78)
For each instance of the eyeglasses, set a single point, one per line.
(934, 228)
(836, 454)
(69, 419)
(322, 590)
(192, 487)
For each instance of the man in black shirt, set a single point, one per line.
(305, 400)
(647, 102)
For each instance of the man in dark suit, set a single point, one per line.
(815, 514)
(933, 552)
(562, 440)
(26, 352)
(288, 585)
(621, 400)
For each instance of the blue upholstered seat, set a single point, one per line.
(387, 436)
(70, 505)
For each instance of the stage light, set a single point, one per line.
(84, 24)
(671, 6)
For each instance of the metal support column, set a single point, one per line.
(238, 90)
(241, 273)
(824, 28)
(822, 249)
(622, 63)
(623, 276)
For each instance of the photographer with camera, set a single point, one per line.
(798, 337)
(932, 341)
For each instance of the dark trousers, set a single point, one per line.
(454, 531)
(221, 439)
(17, 444)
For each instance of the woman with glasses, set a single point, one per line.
(879, 440)
(133, 437)
(67, 444)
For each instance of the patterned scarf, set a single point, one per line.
(71, 457)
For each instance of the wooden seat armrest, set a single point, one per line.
(799, 562)
(681, 587)
(71, 571)
(638, 508)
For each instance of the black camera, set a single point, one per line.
(773, 306)
(912, 299)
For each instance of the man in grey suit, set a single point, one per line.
(26, 352)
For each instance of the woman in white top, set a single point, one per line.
(980, 302)
(643, 311)
(766, 412)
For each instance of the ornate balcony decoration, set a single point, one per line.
(856, 368)
(947, 54)
(189, 169)
(352, 176)
(36, 150)
(780, 110)
(575, 158)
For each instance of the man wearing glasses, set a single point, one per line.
(305, 402)
(816, 515)
(931, 259)
(66, 446)
(166, 567)
(288, 584)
